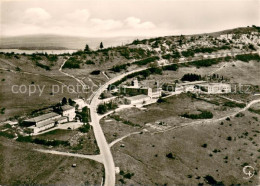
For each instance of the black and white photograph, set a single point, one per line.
(130, 92)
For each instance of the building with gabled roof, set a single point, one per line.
(68, 111)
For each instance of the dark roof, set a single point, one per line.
(42, 117)
(44, 123)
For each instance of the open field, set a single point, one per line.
(22, 103)
(21, 165)
(116, 129)
(220, 150)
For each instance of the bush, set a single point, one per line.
(85, 128)
(146, 61)
(172, 67)
(248, 57)
(203, 115)
(42, 141)
(95, 72)
(234, 104)
(90, 62)
(170, 156)
(211, 181)
(118, 68)
(72, 63)
(7, 134)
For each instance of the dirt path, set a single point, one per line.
(120, 139)
(211, 120)
(97, 158)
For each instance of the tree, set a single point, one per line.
(101, 45)
(101, 109)
(71, 102)
(86, 48)
(64, 101)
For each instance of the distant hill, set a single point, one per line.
(52, 42)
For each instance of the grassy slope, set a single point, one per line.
(20, 165)
(145, 155)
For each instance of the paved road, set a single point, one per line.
(99, 135)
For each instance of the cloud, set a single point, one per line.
(36, 16)
(78, 16)
(136, 23)
(106, 24)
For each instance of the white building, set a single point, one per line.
(42, 126)
(217, 88)
(69, 112)
(43, 122)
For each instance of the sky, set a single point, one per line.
(112, 18)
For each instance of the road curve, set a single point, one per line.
(99, 135)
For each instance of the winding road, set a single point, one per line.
(105, 153)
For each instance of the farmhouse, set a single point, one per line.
(43, 118)
(42, 126)
(42, 122)
(68, 111)
(139, 99)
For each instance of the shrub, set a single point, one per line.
(90, 62)
(146, 61)
(172, 67)
(203, 115)
(95, 72)
(234, 104)
(72, 63)
(118, 68)
(229, 138)
(247, 57)
(170, 156)
(204, 145)
(85, 128)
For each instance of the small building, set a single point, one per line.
(139, 99)
(69, 112)
(80, 102)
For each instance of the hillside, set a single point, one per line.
(93, 67)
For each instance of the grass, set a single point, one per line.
(43, 169)
(207, 162)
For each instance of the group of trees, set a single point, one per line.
(103, 108)
(118, 68)
(191, 77)
(87, 49)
